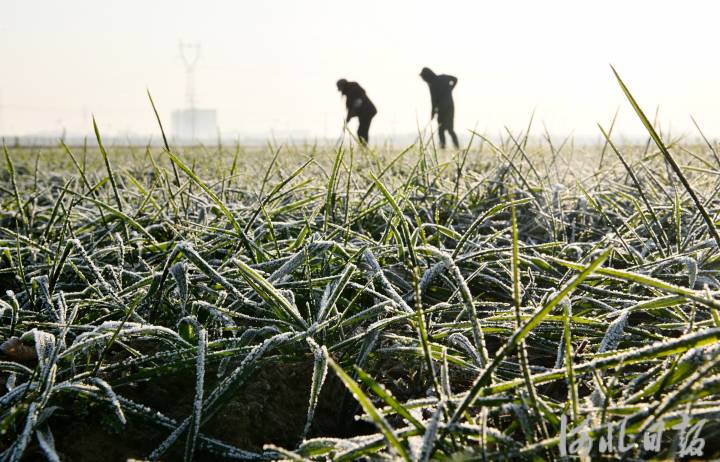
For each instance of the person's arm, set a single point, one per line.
(348, 106)
(434, 103)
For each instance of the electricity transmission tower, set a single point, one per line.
(190, 53)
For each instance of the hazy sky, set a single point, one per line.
(273, 64)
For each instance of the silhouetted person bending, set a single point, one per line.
(441, 87)
(358, 105)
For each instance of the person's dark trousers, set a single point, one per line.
(441, 134)
(363, 132)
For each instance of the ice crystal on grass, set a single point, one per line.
(320, 367)
(179, 272)
(47, 443)
(107, 389)
(614, 333)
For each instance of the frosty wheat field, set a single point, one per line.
(301, 302)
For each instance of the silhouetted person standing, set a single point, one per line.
(441, 87)
(358, 105)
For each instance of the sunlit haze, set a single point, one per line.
(269, 67)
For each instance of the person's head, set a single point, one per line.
(341, 85)
(427, 74)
